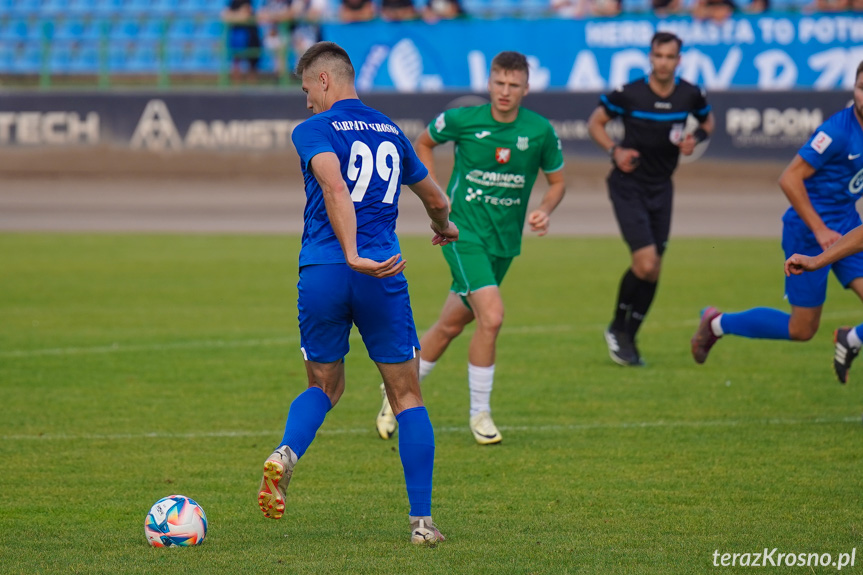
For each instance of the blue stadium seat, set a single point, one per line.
(27, 58)
(211, 29)
(125, 29)
(12, 29)
(60, 60)
(203, 7)
(82, 7)
(26, 7)
(206, 57)
(85, 60)
(7, 57)
(55, 7)
(74, 28)
(182, 28)
(152, 28)
(108, 7)
(143, 59)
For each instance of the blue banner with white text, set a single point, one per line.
(768, 52)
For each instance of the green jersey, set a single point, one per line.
(496, 165)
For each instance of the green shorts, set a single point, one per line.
(472, 267)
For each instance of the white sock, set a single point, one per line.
(854, 339)
(716, 326)
(425, 368)
(480, 381)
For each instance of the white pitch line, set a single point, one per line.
(294, 340)
(454, 429)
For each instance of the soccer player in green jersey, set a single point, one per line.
(499, 149)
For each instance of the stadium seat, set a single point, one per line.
(12, 29)
(85, 60)
(55, 8)
(26, 7)
(181, 28)
(7, 57)
(125, 29)
(27, 59)
(74, 28)
(153, 28)
(108, 8)
(210, 29)
(82, 7)
(143, 59)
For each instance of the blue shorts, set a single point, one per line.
(810, 289)
(333, 297)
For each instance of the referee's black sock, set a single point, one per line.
(644, 295)
(626, 295)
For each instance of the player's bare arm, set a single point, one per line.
(424, 147)
(624, 158)
(437, 208)
(849, 244)
(791, 183)
(343, 218)
(540, 218)
(705, 129)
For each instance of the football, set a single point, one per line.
(175, 521)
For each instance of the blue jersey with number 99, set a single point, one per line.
(376, 158)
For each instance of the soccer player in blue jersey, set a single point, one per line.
(354, 161)
(823, 182)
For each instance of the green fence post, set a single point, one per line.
(104, 72)
(285, 72)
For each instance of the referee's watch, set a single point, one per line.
(611, 151)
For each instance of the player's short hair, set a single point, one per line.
(511, 62)
(665, 38)
(329, 55)
(859, 69)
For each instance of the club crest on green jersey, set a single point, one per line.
(523, 143)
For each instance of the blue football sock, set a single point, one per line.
(859, 331)
(416, 449)
(759, 323)
(305, 417)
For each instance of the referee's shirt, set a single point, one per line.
(654, 125)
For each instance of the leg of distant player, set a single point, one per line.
(305, 417)
(453, 318)
(644, 217)
(756, 323)
(416, 445)
(646, 265)
(488, 309)
(847, 341)
(634, 298)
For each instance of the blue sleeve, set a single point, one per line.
(826, 143)
(310, 139)
(414, 169)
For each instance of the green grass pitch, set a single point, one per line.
(137, 366)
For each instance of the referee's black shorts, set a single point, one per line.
(643, 210)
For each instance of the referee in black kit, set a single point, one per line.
(654, 112)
